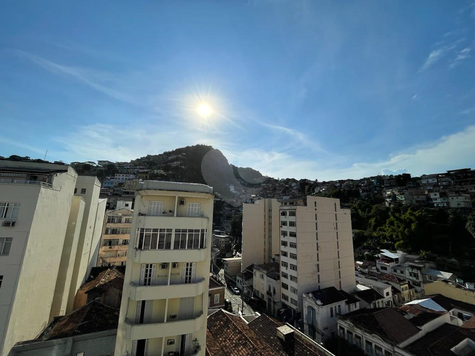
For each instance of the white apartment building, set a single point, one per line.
(321, 309)
(87, 252)
(122, 177)
(260, 232)
(35, 204)
(165, 296)
(316, 248)
(115, 238)
(266, 285)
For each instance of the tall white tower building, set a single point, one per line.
(316, 248)
(165, 295)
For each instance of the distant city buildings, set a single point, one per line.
(115, 237)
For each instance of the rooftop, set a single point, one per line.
(328, 296)
(387, 323)
(369, 295)
(92, 317)
(449, 304)
(109, 277)
(213, 283)
(230, 335)
(176, 186)
(440, 341)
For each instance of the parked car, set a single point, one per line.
(235, 290)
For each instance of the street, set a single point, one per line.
(236, 301)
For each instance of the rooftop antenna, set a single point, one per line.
(46, 153)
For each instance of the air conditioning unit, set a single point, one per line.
(175, 265)
(9, 223)
(182, 202)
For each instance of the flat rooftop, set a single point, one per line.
(34, 167)
(175, 186)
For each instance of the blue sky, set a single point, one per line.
(305, 89)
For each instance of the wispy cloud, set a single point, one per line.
(15, 143)
(461, 55)
(297, 137)
(446, 153)
(468, 111)
(92, 78)
(436, 55)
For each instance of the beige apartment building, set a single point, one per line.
(316, 248)
(35, 204)
(115, 238)
(165, 296)
(260, 232)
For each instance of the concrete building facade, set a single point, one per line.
(260, 232)
(35, 204)
(316, 248)
(165, 295)
(115, 238)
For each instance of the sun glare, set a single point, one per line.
(204, 110)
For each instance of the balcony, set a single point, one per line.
(168, 256)
(138, 292)
(157, 330)
(171, 222)
(27, 182)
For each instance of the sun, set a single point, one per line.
(204, 110)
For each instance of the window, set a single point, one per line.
(316, 226)
(339, 310)
(5, 245)
(285, 286)
(293, 256)
(285, 297)
(194, 209)
(283, 223)
(349, 337)
(318, 268)
(147, 274)
(316, 217)
(293, 267)
(262, 276)
(284, 264)
(369, 348)
(284, 253)
(216, 298)
(155, 208)
(378, 351)
(293, 245)
(1, 281)
(75, 190)
(83, 190)
(294, 302)
(336, 217)
(341, 331)
(293, 279)
(293, 290)
(9, 210)
(283, 243)
(283, 233)
(358, 341)
(331, 312)
(292, 223)
(285, 275)
(291, 212)
(283, 213)
(172, 341)
(292, 234)
(387, 353)
(387, 294)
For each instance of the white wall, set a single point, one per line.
(36, 254)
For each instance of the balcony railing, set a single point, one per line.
(24, 181)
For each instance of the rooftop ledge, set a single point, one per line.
(175, 186)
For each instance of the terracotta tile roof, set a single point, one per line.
(387, 323)
(213, 283)
(234, 338)
(230, 335)
(440, 341)
(103, 278)
(92, 317)
(266, 328)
